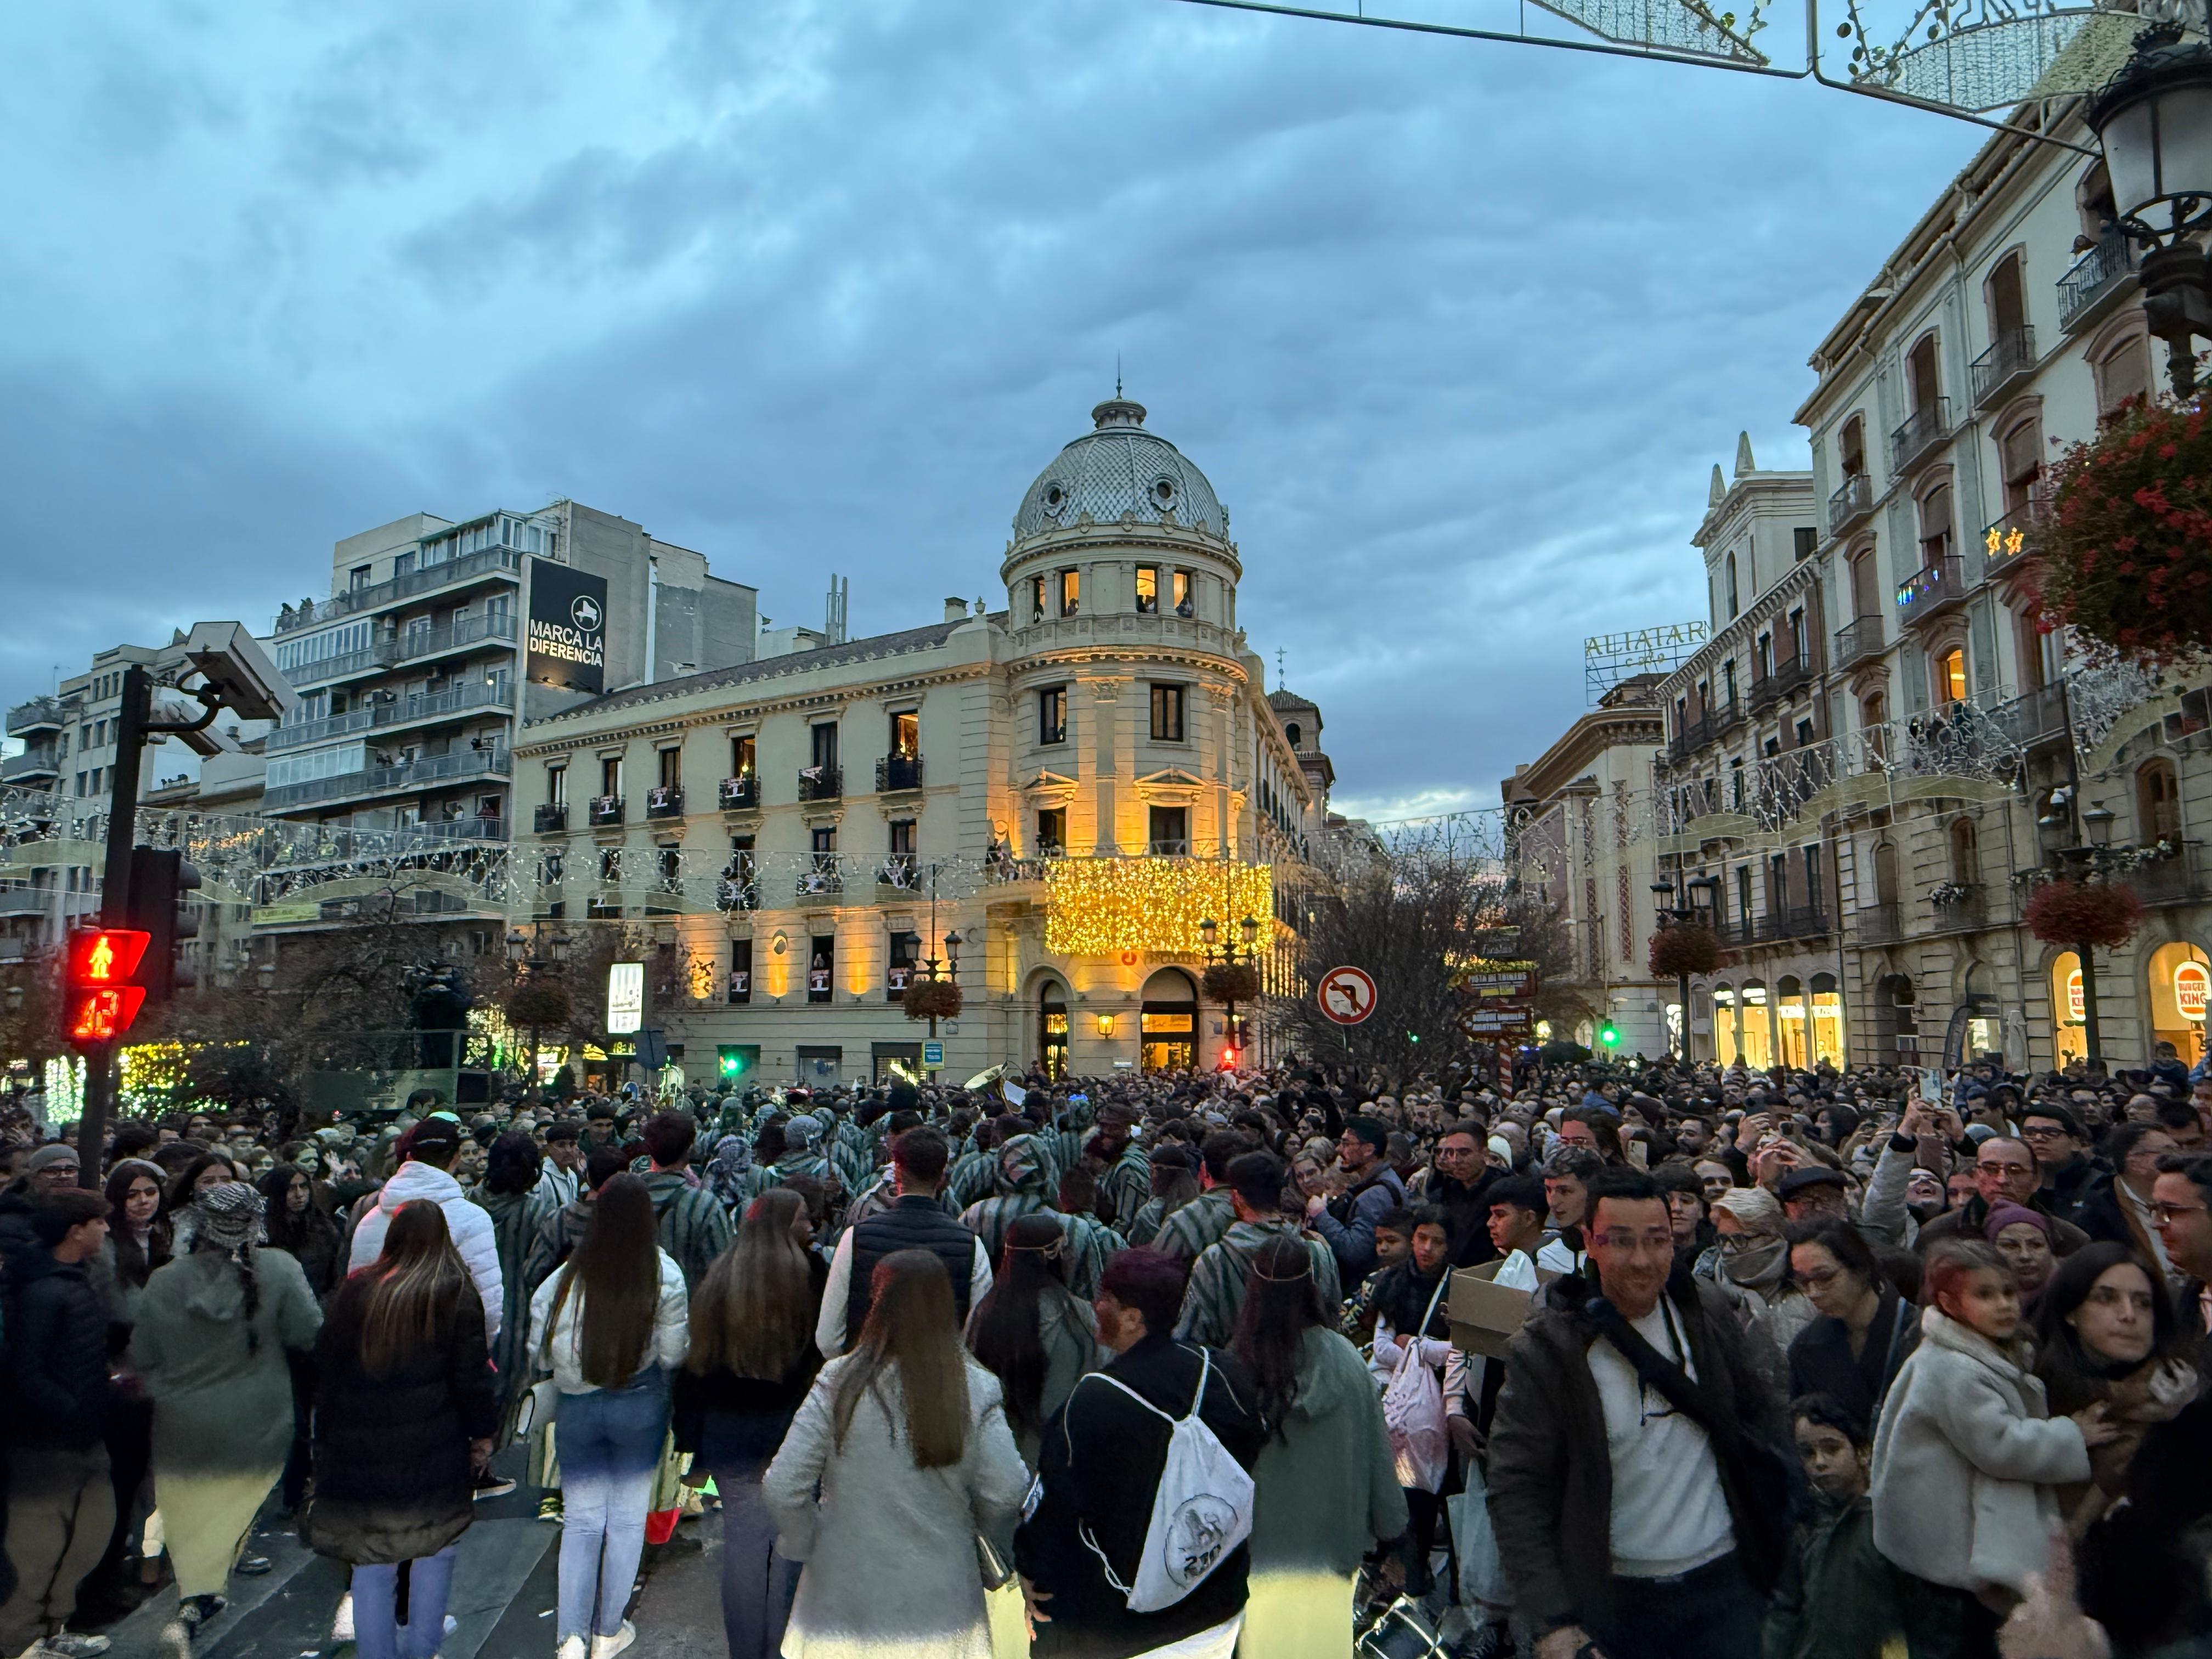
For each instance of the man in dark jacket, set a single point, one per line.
(1458, 1181)
(61, 1503)
(916, 1221)
(1348, 1223)
(1101, 1465)
(1638, 1487)
(2069, 1178)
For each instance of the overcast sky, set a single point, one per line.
(1457, 330)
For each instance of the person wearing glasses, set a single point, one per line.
(2066, 1177)
(2179, 1210)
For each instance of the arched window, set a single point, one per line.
(1874, 723)
(1292, 732)
(2179, 978)
(1757, 1032)
(1866, 584)
(2092, 200)
(2020, 463)
(1790, 1022)
(1827, 1020)
(2158, 803)
(1168, 1022)
(1951, 676)
(1921, 378)
(2121, 370)
(1935, 542)
(1051, 1029)
(1726, 1047)
(2066, 1008)
(1732, 604)
(1851, 447)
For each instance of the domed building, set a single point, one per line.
(1070, 806)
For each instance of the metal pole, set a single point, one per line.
(114, 906)
(2095, 1056)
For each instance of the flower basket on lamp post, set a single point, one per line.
(2125, 553)
(1682, 949)
(2084, 913)
(931, 999)
(1232, 982)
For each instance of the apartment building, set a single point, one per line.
(1066, 780)
(1944, 722)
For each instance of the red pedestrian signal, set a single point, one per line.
(103, 1001)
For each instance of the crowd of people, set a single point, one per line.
(1813, 1365)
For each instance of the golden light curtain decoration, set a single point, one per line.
(1095, 907)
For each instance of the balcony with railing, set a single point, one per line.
(1921, 436)
(740, 793)
(896, 772)
(32, 766)
(394, 711)
(821, 783)
(2010, 359)
(1850, 502)
(447, 573)
(371, 659)
(2033, 717)
(38, 714)
(1959, 906)
(1726, 717)
(1856, 641)
(607, 810)
(900, 874)
(1789, 675)
(552, 818)
(493, 762)
(2006, 546)
(2092, 282)
(663, 801)
(2177, 877)
(820, 877)
(1878, 924)
(1932, 590)
(418, 642)
(1797, 921)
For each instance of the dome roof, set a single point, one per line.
(1119, 471)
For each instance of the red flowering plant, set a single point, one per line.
(1687, 948)
(2125, 549)
(931, 998)
(2084, 913)
(1232, 982)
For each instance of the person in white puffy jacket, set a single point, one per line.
(429, 1150)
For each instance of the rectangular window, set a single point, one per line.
(742, 873)
(1037, 598)
(1051, 831)
(824, 738)
(403, 564)
(1052, 715)
(1798, 642)
(902, 835)
(1167, 713)
(1815, 899)
(610, 866)
(1805, 734)
(1071, 591)
(742, 752)
(556, 786)
(1766, 656)
(824, 839)
(1148, 590)
(1803, 539)
(906, 956)
(1728, 682)
(741, 971)
(672, 767)
(1743, 896)
(358, 576)
(1170, 829)
(610, 775)
(821, 965)
(906, 734)
(1185, 594)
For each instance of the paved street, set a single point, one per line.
(504, 1594)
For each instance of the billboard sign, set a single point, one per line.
(625, 998)
(567, 622)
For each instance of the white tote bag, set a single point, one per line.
(1201, 1510)
(1413, 1412)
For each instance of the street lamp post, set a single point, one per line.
(2153, 119)
(1227, 955)
(2093, 854)
(531, 955)
(1671, 905)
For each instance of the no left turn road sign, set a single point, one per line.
(1346, 995)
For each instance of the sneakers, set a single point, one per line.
(548, 1507)
(194, 1612)
(605, 1647)
(70, 1644)
(492, 1485)
(341, 1626)
(251, 1566)
(572, 1647)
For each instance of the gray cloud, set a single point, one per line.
(1456, 330)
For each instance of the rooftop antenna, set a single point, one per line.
(1117, 377)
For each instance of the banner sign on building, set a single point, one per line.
(625, 998)
(568, 643)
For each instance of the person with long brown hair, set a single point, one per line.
(406, 1409)
(751, 1362)
(899, 1454)
(611, 1326)
(1033, 1333)
(1325, 1488)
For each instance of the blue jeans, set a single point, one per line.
(377, 1632)
(610, 1446)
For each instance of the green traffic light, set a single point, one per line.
(732, 1062)
(1609, 1035)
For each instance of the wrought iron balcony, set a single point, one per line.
(2010, 357)
(821, 783)
(2176, 877)
(1857, 642)
(1960, 907)
(606, 809)
(2005, 549)
(1932, 590)
(1878, 924)
(2097, 277)
(898, 772)
(1851, 503)
(1799, 921)
(1767, 689)
(740, 793)
(663, 801)
(1921, 436)
(550, 819)
(2033, 717)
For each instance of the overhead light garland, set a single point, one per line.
(1095, 907)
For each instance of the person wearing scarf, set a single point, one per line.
(1753, 1255)
(214, 1330)
(727, 1170)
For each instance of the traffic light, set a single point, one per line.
(1608, 1036)
(160, 880)
(103, 999)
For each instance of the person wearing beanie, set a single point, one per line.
(214, 1328)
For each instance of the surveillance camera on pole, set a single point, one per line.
(239, 672)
